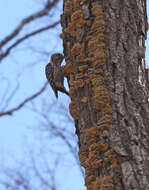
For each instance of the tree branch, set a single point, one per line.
(9, 112)
(26, 37)
(27, 20)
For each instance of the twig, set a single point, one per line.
(25, 21)
(9, 112)
(26, 37)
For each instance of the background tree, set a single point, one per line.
(104, 47)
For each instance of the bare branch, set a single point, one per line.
(27, 20)
(12, 94)
(59, 133)
(9, 112)
(26, 37)
(6, 90)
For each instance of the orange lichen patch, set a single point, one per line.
(102, 147)
(101, 101)
(77, 49)
(99, 62)
(87, 81)
(87, 60)
(93, 147)
(84, 99)
(90, 186)
(104, 127)
(115, 168)
(96, 81)
(94, 50)
(92, 163)
(94, 44)
(67, 7)
(114, 160)
(71, 29)
(67, 69)
(91, 75)
(96, 148)
(98, 26)
(72, 92)
(101, 95)
(68, 59)
(91, 140)
(71, 81)
(83, 153)
(107, 110)
(83, 67)
(91, 44)
(99, 53)
(97, 10)
(73, 110)
(109, 153)
(100, 89)
(85, 164)
(92, 131)
(98, 70)
(80, 23)
(89, 171)
(105, 119)
(97, 78)
(99, 23)
(79, 76)
(99, 36)
(105, 183)
(82, 159)
(76, 16)
(98, 163)
(101, 46)
(80, 58)
(93, 155)
(98, 104)
(79, 83)
(91, 71)
(76, 5)
(102, 121)
(77, 19)
(62, 36)
(105, 133)
(90, 179)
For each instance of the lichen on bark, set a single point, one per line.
(104, 48)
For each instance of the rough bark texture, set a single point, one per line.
(104, 48)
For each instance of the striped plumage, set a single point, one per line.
(55, 75)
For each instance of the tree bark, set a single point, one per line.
(104, 48)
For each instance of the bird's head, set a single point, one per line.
(57, 58)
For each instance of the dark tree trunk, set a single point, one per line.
(104, 48)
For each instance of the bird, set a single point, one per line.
(54, 74)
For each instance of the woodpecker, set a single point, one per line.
(54, 74)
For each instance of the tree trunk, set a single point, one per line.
(104, 48)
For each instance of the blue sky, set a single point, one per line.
(15, 131)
